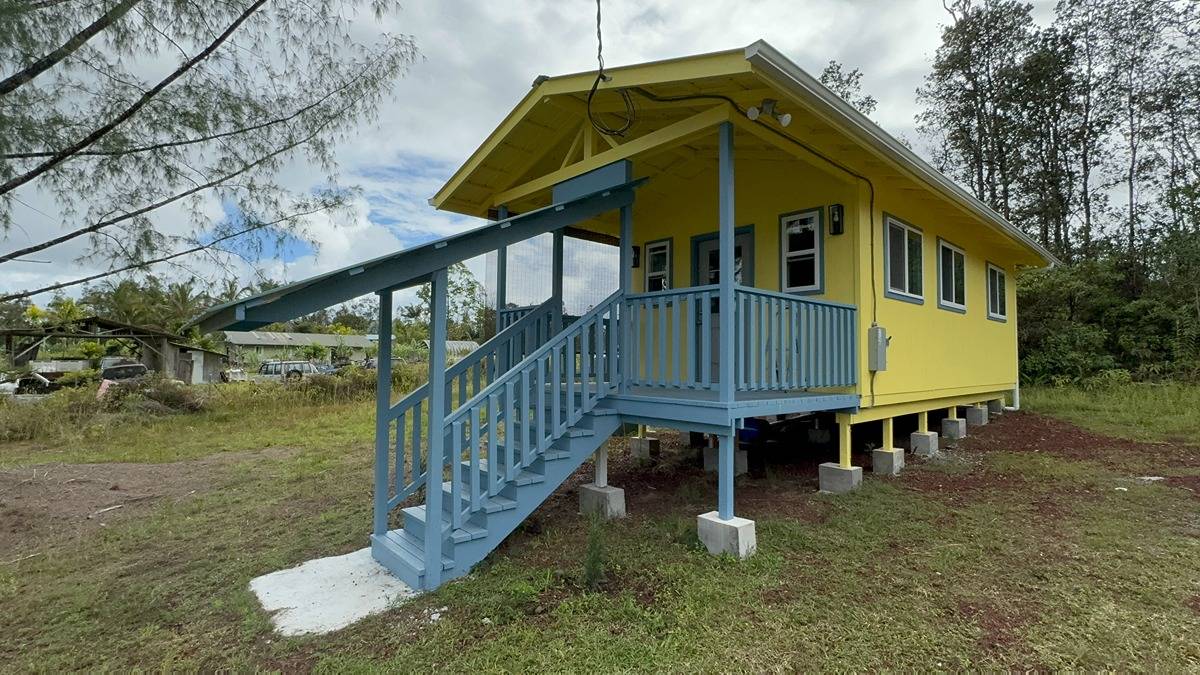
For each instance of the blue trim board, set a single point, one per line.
(941, 303)
(747, 270)
(820, 240)
(887, 290)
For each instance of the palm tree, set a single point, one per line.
(181, 302)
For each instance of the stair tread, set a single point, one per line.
(412, 550)
(489, 504)
(467, 532)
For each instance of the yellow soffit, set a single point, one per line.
(715, 64)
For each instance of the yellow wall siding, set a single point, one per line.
(935, 352)
(763, 192)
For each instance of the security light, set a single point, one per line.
(768, 108)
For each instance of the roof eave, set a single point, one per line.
(805, 87)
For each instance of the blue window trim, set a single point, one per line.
(747, 269)
(819, 289)
(987, 307)
(670, 242)
(942, 304)
(887, 288)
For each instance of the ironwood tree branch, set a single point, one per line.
(147, 263)
(69, 47)
(129, 112)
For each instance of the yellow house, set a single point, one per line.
(867, 289)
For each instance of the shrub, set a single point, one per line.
(79, 378)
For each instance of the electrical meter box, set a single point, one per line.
(877, 344)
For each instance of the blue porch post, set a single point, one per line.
(501, 272)
(437, 435)
(626, 285)
(383, 401)
(556, 274)
(726, 443)
(726, 292)
(725, 205)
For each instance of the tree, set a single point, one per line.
(971, 97)
(155, 103)
(848, 85)
(465, 302)
(313, 352)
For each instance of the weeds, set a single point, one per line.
(594, 563)
(74, 413)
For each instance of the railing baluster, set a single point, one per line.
(523, 406)
(493, 445)
(474, 413)
(540, 426)
(662, 341)
(555, 388)
(417, 468)
(455, 479)
(510, 433)
(570, 356)
(705, 342)
(399, 481)
(585, 364)
(676, 348)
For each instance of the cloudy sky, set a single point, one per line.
(480, 57)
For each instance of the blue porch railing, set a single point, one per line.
(408, 421)
(509, 424)
(782, 342)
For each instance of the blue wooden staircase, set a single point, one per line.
(522, 414)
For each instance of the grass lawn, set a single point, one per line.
(1032, 545)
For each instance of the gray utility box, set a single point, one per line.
(877, 344)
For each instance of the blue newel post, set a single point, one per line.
(383, 401)
(437, 436)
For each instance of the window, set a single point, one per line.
(658, 265)
(801, 247)
(997, 293)
(902, 258)
(952, 268)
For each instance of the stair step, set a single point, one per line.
(487, 504)
(412, 550)
(524, 477)
(415, 521)
(602, 412)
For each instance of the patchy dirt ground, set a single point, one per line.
(1029, 432)
(49, 501)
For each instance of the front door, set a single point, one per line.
(706, 270)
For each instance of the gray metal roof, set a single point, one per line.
(258, 338)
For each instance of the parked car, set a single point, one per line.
(285, 370)
(124, 371)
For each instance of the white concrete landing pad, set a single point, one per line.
(327, 594)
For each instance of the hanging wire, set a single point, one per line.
(630, 113)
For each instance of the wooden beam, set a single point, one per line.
(663, 139)
(570, 156)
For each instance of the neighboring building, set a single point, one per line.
(259, 346)
(158, 350)
(196, 365)
(793, 259)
